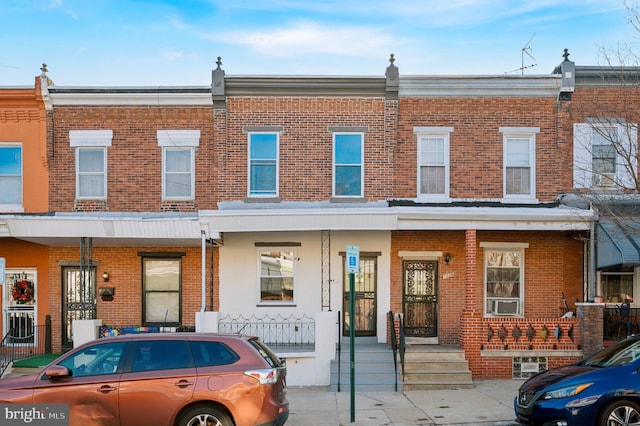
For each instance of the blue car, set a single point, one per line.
(603, 389)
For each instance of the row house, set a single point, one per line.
(233, 207)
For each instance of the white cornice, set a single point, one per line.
(79, 97)
(466, 86)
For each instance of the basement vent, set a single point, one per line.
(528, 366)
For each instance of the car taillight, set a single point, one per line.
(267, 376)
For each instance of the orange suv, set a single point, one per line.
(181, 379)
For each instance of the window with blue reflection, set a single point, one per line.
(263, 164)
(348, 161)
(11, 175)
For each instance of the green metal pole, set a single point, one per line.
(352, 309)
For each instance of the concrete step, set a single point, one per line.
(374, 369)
(436, 367)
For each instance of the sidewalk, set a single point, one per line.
(490, 402)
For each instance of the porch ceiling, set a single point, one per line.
(106, 229)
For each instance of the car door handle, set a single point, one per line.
(107, 389)
(183, 383)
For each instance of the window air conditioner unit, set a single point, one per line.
(506, 307)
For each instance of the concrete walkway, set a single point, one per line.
(489, 402)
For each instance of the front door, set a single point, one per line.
(365, 298)
(78, 300)
(420, 298)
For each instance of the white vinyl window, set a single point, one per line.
(519, 145)
(605, 155)
(263, 164)
(433, 161)
(91, 173)
(348, 164)
(504, 278)
(10, 177)
(178, 163)
(91, 162)
(276, 275)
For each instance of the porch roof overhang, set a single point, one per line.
(107, 229)
(236, 217)
(615, 245)
(187, 229)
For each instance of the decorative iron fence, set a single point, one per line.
(293, 333)
(24, 341)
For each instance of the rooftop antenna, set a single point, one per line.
(525, 51)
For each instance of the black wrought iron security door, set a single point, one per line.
(420, 304)
(78, 300)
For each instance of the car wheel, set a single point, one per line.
(203, 415)
(620, 412)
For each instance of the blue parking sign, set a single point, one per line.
(353, 259)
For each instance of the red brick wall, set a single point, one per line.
(306, 145)
(551, 267)
(124, 266)
(134, 161)
(476, 144)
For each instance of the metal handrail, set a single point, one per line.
(394, 347)
(25, 342)
(403, 344)
(339, 345)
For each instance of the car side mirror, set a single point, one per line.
(57, 371)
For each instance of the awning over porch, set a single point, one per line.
(615, 245)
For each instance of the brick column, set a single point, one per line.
(592, 317)
(471, 333)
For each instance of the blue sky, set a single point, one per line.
(176, 42)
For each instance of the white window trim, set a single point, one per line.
(192, 156)
(333, 179)
(522, 133)
(259, 301)
(179, 139)
(15, 208)
(277, 189)
(438, 131)
(500, 246)
(91, 139)
(582, 153)
(104, 167)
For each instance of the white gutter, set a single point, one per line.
(398, 218)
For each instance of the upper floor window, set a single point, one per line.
(10, 177)
(91, 162)
(519, 173)
(91, 173)
(178, 163)
(348, 164)
(276, 274)
(433, 161)
(504, 278)
(605, 154)
(263, 164)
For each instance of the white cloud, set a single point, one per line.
(304, 37)
(171, 54)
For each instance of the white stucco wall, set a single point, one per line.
(239, 272)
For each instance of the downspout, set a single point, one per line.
(203, 235)
(592, 255)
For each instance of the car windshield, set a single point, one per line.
(619, 354)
